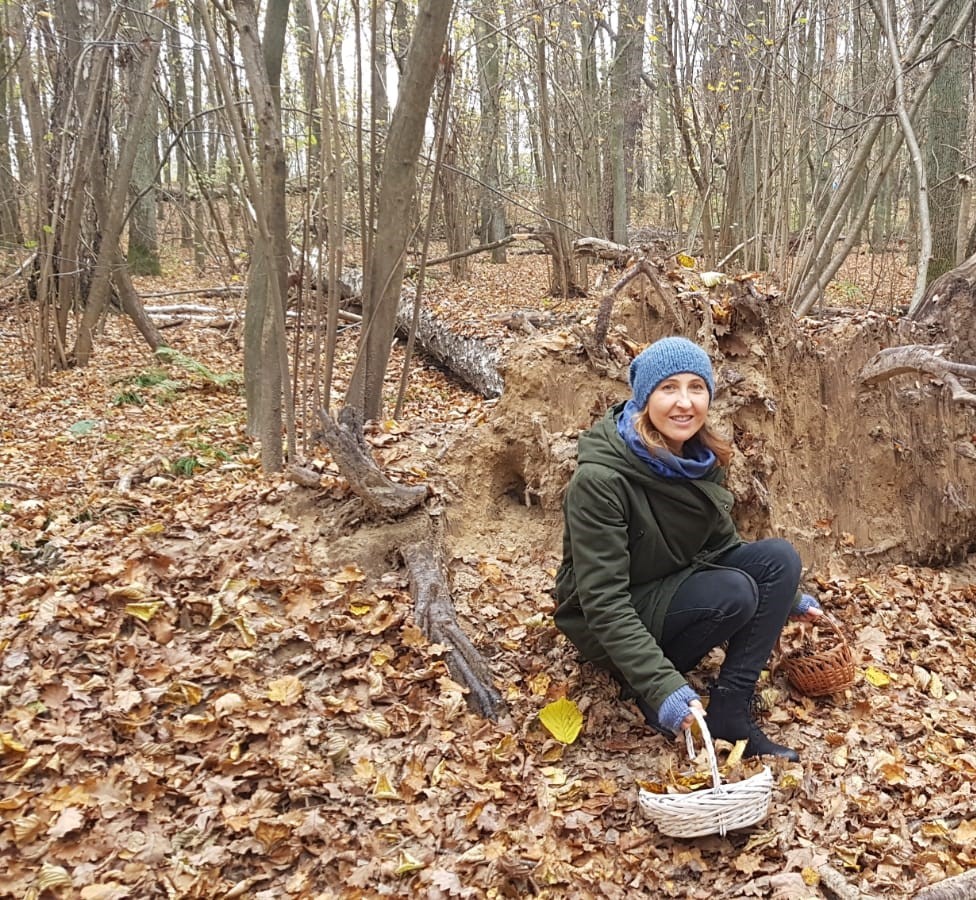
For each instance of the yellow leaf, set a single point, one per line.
(52, 877)
(935, 687)
(408, 863)
(145, 610)
(359, 609)
(248, 634)
(183, 693)
(811, 877)
(685, 261)
(562, 719)
(876, 677)
(9, 745)
(539, 684)
(287, 691)
(384, 789)
(380, 658)
(735, 757)
(154, 528)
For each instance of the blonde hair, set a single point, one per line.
(652, 439)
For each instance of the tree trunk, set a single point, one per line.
(944, 139)
(111, 228)
(626, 111)
(271, 403)
(395, 207)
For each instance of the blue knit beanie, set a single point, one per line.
(664, 358)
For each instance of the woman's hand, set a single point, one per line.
(689, 720)
(811, 615)
(807, 610)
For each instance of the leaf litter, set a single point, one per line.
(197, 701)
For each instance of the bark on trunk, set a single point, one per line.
(435, 616)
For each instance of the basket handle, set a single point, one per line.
(824, 620)
(709, 747)
(832, 624)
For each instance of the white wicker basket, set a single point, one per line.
(714, 810)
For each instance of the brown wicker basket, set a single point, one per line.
(822, 671)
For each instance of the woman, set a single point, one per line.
(654, 574)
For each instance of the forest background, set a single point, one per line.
(249, 532)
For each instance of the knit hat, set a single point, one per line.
(664, 358)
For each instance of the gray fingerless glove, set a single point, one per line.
(676, 707)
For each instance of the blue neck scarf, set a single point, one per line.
(699, 462)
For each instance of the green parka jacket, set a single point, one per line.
(630, 538)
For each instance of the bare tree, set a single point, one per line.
(394, 207)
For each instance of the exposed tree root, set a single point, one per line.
(433, 605)
(921, 358)
(435, 616)
(381, 495)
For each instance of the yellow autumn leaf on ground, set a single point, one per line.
(183, 693)
(287, 691)
(539, 683)
(685, 261)
(562, 719)
(408, 863)
(143, 611)
(384, 790)
(876, 677)
(8, 744)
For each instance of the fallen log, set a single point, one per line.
(958, 887)
(436, 618)
(469, 358)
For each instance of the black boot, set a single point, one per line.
(730, 719)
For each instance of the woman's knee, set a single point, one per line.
(736, 592)
(784, 555)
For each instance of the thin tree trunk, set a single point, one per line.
(112, 228)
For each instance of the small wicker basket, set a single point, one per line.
(714, 810)
(822, 671)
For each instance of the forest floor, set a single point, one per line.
(211, 684)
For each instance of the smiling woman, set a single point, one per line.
(654, 574)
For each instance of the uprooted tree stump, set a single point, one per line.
(422, 555)
(948, 305)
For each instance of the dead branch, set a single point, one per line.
(436, 618)
(13, 485)
(304, 476)
(836, 884)
(619, 254)
(471, 251)
(349, 450)
(958, 887)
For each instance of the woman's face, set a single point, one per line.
(678, 407)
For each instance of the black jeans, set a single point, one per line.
(745, 604)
